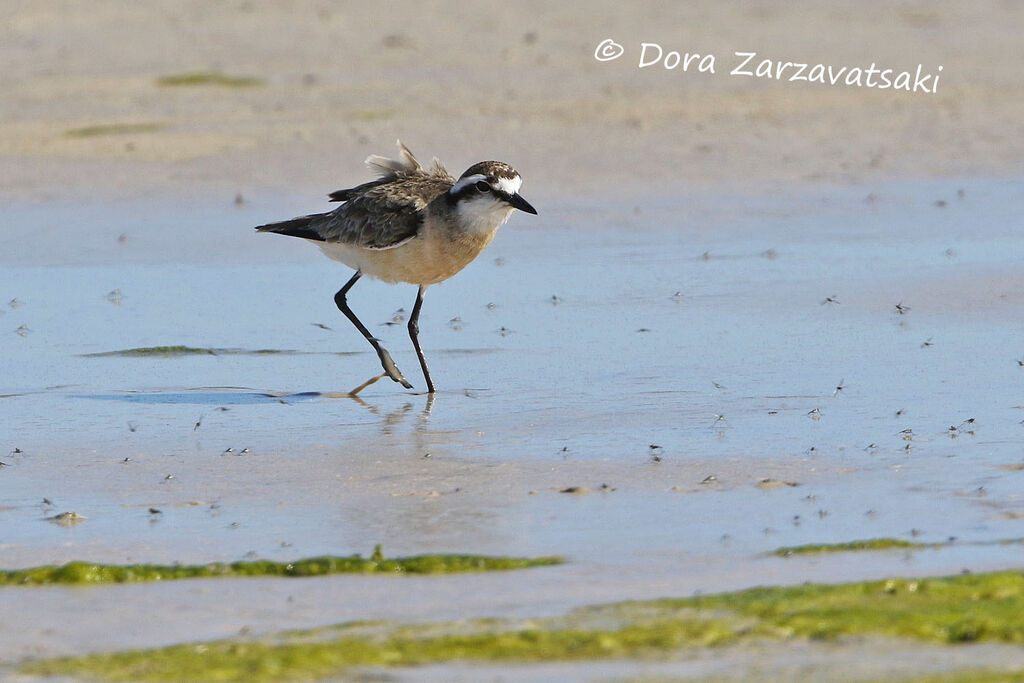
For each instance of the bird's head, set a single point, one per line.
(487, 193)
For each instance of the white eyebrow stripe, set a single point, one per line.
(467, 181)
(510, 185)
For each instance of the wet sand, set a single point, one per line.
(670, 332)
(647, 365)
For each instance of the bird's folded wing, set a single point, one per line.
(387, 212)
(375, 220)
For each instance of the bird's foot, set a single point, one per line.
(392, 369)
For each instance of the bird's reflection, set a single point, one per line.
(395, 417)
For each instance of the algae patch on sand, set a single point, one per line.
(179, 350)
(113, 129)
(870, 544)
(974, 676)
(86, 573)
(313, 655)
(884, 544)
(215, 78)
(956, 609)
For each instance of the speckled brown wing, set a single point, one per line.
(381, 215)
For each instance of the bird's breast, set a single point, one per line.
(432, 256)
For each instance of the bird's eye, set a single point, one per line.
(483, 186)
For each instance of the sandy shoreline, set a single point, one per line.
(731, 316)
(518, 83)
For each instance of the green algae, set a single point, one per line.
(373, 115)
(264, 661)
(974, 676)
(956, 609)
(869, 544)
(113, 129)
(87, 573)
(171, 351)
(883, 544)
(215, 78)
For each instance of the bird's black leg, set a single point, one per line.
(385, 357)
(414, 334)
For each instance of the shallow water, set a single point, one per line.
(675, 350)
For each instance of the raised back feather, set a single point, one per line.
(389, 170)
(385, 167)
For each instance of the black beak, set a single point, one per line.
(519, 203)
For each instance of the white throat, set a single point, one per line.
(482, 215)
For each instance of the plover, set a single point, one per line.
(413, 225)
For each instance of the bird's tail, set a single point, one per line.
(303, 226)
